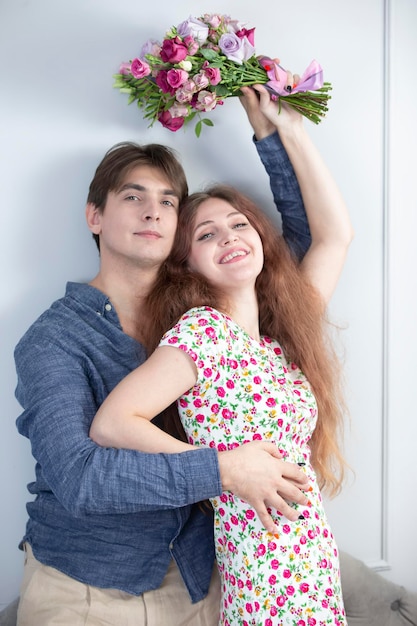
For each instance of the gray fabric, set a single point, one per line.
(370, 599)
(9, 614)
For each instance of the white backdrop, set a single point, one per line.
(59, 114)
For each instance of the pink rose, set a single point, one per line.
(125, 68)
(183, 96)
(169, 122)
(206, 101)
(201, 80)
(192, 45)
(176, 78)
(173, 50)
(213, 74)
(260, 550)
(250, 34)
(139, 68)
(162, 82)
(214, 20)
(227, 414)
(250, 514)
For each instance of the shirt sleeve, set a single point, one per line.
(59, 404)
(286, 193)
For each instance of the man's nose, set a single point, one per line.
(151, 212)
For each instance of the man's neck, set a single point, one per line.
(127, 294)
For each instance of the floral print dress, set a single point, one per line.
(245, 391)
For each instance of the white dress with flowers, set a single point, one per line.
(245, 391)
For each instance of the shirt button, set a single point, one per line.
(108, 307)
(171, 545)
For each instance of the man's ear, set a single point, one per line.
(93, 217)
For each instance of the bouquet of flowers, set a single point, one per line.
(201, 62)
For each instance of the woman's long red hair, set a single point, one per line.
(290, 311)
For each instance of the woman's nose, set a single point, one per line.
(230, 237)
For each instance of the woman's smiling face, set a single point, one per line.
(225, 248)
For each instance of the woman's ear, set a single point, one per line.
(93, 217)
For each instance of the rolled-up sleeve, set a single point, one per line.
(286, 193)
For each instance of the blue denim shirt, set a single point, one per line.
(106, 517)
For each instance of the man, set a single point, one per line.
(116, 536)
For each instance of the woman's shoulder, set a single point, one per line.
(204, 313)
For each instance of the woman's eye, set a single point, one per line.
(204, 236)
(240, 225)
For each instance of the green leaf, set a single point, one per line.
(198, 128)
(208, 54)
(207, 122)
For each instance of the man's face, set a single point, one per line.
(139, 220)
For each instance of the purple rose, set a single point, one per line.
(176, 78)
(236, 49)
(195, 28)
(172, 123)
(139, 68)
(150, 47)
(173, 50)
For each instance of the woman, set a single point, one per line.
(249, 359)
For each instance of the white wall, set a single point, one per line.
(59, 114)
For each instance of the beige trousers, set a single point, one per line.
(50, 598)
